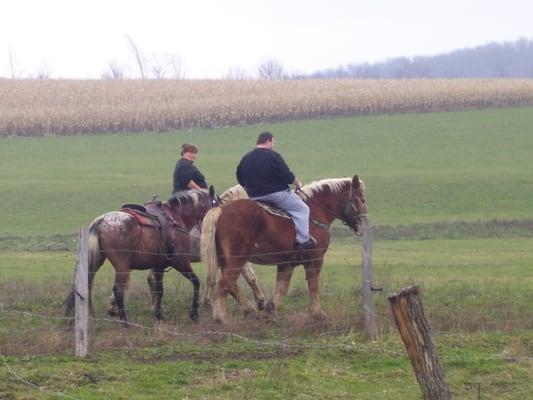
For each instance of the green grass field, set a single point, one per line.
(476, 293)
(418, 168)
(463, 179)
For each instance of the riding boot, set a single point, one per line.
(306, 245)
(301, 249)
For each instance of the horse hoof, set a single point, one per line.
(272, 319)
(112, 312)
(271, 312)
(207, 304)
(251, 314)
(270, 307)
(319, 317)
(261, 305)
(221, 320)
(194, 316)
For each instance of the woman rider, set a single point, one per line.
(186, 175)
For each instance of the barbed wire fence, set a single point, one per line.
(183, 329)
(81, 289)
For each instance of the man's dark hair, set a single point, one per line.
(188, 148)
(264, 137)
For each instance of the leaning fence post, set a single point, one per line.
(367, 275)
(81, 293)
(414, 329)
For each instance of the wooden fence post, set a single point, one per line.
(81, 293)
(367, 275)
(414, 329)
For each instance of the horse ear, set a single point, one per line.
(212, 192)
(355, 181)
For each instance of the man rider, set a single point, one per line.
(266, 177)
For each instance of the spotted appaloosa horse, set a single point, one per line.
(233, 193)
(243, 231)
(128, 245)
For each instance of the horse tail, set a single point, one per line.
(208, 250)
(94, 261)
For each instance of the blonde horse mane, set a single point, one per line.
(334, 184)
(233, 193)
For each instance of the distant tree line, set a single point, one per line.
(493, 60)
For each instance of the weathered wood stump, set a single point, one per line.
(415, 333)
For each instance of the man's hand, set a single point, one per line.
(297, 184)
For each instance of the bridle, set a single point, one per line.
(200, 210)
(344, 211)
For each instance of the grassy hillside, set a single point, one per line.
(418, 168)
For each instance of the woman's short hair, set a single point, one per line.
(188, 148)
(264, 137)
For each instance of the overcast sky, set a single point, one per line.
(78, 39)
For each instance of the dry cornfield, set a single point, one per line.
(63, 107)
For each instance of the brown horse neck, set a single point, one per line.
(326, 206)
(184, 216)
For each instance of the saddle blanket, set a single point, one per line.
(142, 218)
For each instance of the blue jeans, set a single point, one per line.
(297, 209)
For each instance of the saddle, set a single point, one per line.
(272, 209)
(141, 215)
(156, 214)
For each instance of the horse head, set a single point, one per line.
(355, 206)
(337, 198)
(191, 206)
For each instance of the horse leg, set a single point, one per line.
(119, 289)
(155, 281)
(312, 274)
(112, 310)
(209, 287)
(186, 270)
(247, 306)
(92, 273)
(226, 285)
(283, 280)
(251, 279)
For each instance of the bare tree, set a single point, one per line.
(270, 69)
(115, 70)
(177, 67)
(139, 57)
(14, 68)
(237, 73)
(159, 66)
(163, 65)
(44, 71)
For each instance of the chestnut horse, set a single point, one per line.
(129, 245)
(243, 231)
